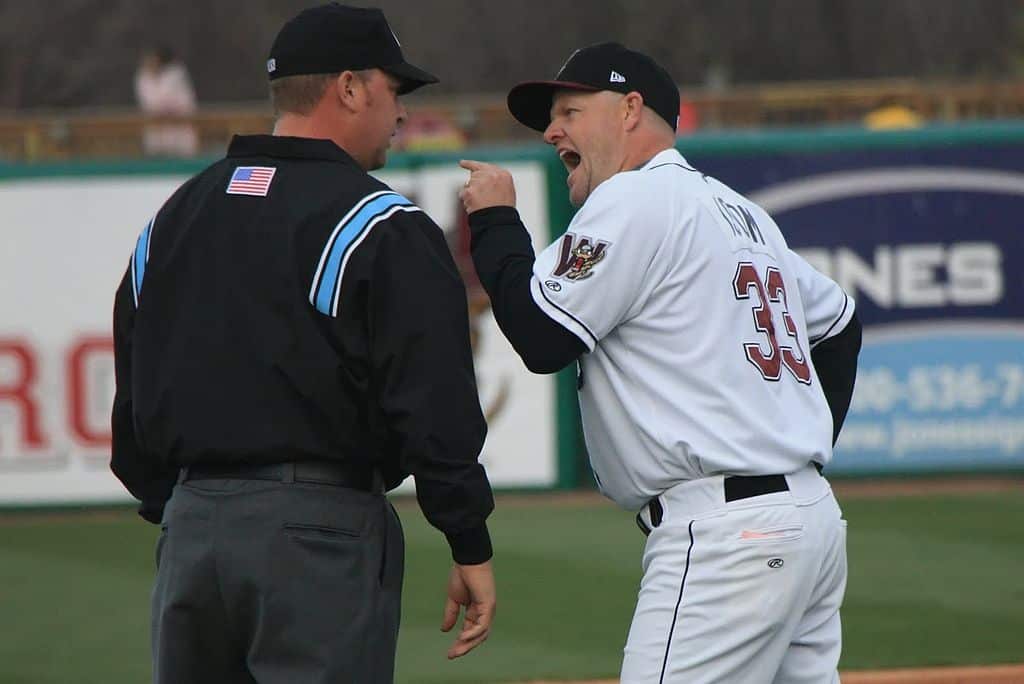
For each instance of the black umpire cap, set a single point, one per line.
(333, 38)
(605, 66)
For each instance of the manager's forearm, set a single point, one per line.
(504, 257)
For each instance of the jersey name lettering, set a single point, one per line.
(740, 220)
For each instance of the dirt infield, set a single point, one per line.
(989, 674)
(994, 674)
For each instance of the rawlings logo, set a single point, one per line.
(578, 257)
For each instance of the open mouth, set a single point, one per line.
(570, 159)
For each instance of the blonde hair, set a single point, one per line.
(300, 94)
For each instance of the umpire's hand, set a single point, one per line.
(488, 186)
(471, 586)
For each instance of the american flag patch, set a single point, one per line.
(251, 180)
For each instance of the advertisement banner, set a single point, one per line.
(919, 226)
(927, 239)
(66, 243)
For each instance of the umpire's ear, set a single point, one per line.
(350, 89)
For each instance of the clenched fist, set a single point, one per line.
(488, 186)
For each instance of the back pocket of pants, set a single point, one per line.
(319, 532)
(768, 535)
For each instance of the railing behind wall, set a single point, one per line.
(438, 123)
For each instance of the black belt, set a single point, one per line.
(745, 486)
(338, 474)
(737, 487)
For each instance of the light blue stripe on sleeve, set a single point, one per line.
(139, 260)
(346, 236)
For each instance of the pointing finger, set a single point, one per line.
(471, 165)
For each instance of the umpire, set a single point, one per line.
(291, 340)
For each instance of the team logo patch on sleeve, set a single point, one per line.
(251, 180)
(578, 256)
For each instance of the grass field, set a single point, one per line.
(934, 580)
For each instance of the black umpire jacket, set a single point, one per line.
(314, 315)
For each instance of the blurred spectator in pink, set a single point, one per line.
(163, 89)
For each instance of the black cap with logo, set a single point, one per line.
(605, 66)
(333, 38)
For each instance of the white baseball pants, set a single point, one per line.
(746, 591)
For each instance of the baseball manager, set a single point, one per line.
(715, 370)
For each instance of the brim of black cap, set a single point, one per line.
(411, 77)
(530, 102)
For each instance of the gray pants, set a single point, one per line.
(276, 583)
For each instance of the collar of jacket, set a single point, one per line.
(287, 147)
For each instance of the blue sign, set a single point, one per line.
(937, 397)
(929, 242)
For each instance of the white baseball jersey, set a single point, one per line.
(699, 320)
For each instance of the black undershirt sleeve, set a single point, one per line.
(835, 360)
(503, 256)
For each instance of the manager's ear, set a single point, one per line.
(632, 109)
